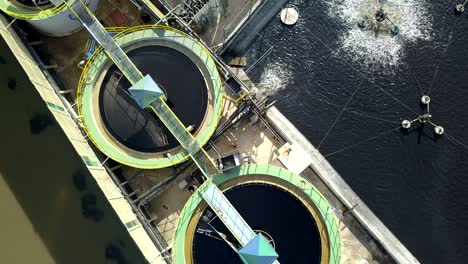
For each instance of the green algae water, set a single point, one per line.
(51, 208)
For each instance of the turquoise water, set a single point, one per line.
(52, 210)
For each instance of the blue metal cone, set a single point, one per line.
(145, 91)
(258, 251)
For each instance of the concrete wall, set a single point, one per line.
(60, 111)
(239, 44)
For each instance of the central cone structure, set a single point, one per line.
(258, 251)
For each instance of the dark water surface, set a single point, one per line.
(140, 129)
(52, 209)
(415, 182)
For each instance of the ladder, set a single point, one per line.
(213, 196)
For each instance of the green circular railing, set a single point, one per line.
(94, 67)
(326, 211)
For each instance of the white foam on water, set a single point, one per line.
(364, 46)
(274, 78)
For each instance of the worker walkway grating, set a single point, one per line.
(178, 130)
(228, 214)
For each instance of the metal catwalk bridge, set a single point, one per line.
(148, 94)
(228, 214)
(94, 27)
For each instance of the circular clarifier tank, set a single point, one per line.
(289, 233)
(287, 210)
(46, 17)
(34, 5)
(135, 136)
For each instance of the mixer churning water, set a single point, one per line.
(376, 31)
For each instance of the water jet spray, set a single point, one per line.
(379, 22)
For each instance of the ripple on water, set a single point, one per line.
(411, 16)
(273, 79)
